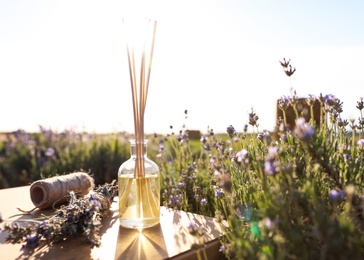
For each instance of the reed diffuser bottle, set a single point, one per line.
(138, 177)
(139, 189)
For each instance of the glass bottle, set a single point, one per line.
(139, 190)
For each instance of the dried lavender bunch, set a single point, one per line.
(81, 216)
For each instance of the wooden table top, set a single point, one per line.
(168, 240)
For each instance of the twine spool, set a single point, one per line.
(55, 190)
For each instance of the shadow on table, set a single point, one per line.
(169, 239)
(206, 224)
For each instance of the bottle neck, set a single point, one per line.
(134, 146)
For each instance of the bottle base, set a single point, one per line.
(139, 223)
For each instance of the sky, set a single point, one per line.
(63, 64)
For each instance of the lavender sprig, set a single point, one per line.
(81, 216)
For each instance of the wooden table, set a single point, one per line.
(168, 240)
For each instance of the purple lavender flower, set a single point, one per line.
(285, 62)
(271, 165)
(222, 248)
(336, 194)
(341, 122)
(173, 201)
(283, 103)
(347, 157)
(289, 71)
(361, 144)
(293, 98)
(270, 168)
(231, 131)
(50, 152)
(272, 152)
(361, 121)
(253, 118)
(204, 143)
(218, 192)
(311, 100)
(181, 185)
(245, 129)
(332, 103)
(203, 139)
(242, 155)
(217, 174)
(360, 105)
(270, 224)
(303, 131)
(267, 137)
(161, 148)
(260, 137)
(31, 241)
(183, 137)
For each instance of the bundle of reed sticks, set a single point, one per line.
(146, 35)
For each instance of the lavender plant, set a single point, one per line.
(26, 157)
(297, 194)
(184, 186)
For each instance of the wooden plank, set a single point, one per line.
(168, 240)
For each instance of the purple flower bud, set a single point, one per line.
(32, 241)
(242, 155)
(303, 131)
(269, 168)
(260, 137)
(283, 103)
(203, 202)
(218, 192)
(361, 144)
(222, 248)
(231, 131)
(271, 223)
(336, 194)
(49, 152)
(203, 139)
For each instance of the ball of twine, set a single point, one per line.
(53, 191)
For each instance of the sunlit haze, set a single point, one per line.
(63, 64)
